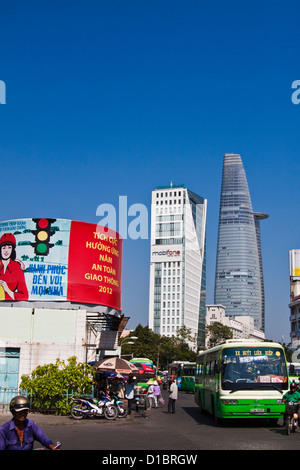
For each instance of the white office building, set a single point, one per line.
(294, 258)
(177, 294)
(241, 326)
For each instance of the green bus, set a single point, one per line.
(184, 372)
(294, 372)
(242, 379)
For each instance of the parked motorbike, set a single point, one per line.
(291, 418)
(120, 404)
(90, 407)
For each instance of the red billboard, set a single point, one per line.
(58, 259)
(94, 269)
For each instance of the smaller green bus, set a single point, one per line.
(184, 372)
(294, 372)
(242, 379)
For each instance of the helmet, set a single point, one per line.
(19, 403)
(8, 239)
(293, 386)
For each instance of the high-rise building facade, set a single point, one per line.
(177, 295)
(294, 258)
(239, 275)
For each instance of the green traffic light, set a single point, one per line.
(41, 248)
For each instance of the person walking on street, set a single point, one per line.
(156, 393)
(150, 395)
(129, 392)
(173, 390)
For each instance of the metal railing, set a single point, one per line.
(7, 394)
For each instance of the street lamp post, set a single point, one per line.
(126, 341)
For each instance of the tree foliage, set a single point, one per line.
(218, 334)
(161, 349)
(48, 384)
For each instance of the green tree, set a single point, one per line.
(48, 384)
(160, 349)
(218, 333)
(145, 346)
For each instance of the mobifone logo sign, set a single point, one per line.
(2, 92)
(161, 255)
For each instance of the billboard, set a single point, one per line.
(60, 260)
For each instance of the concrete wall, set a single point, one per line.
(43, 335)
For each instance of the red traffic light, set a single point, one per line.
(43, 223)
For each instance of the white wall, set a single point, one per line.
(43, 335)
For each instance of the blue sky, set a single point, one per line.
(109, 98)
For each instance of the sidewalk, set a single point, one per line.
(39, 418)
(54, 420)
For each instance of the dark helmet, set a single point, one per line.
(293, 386)
(19, 403)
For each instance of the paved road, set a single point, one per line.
(187, 430)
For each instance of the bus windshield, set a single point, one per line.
(253, 368)
(188, 370)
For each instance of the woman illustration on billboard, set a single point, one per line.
(12, 279)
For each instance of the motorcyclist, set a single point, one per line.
(20, 433)
(292, 396)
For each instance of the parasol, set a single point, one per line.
(115, 364)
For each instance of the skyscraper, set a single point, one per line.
(177, 294)
(239, 275)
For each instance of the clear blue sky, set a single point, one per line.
(106, 98)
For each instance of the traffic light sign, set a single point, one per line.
(42, 234)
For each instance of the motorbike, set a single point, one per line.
(291, 418)
(90, 407)
(120, 404)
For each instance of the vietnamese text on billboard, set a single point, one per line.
(57, 259)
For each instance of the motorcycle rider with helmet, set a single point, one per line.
(292, 396)
(20, 433)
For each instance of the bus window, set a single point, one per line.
(243, 368)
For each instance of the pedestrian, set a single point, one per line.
(156, 393)
(150, 395)
(129, 392)
(173, 390)
(20, 433)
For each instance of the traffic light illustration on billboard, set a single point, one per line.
(43, 233)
